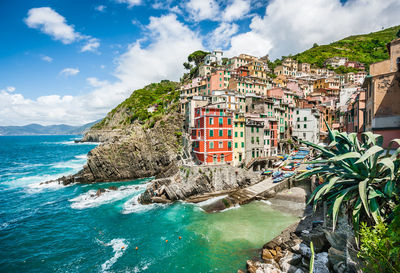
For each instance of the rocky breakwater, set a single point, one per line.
(198, 183)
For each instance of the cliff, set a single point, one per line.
(141, 137)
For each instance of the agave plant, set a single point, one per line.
(360, 174)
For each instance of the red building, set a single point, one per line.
(212, 135)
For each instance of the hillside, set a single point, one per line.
(37, 129)
(365, 48)
(162, 96)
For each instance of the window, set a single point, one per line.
(305, 126)
(220, 145)
(258, 129)
(207, 110)
(305, 118)
(241, 124)
(298, 126)
(241, 134)
(229, 121)
(242, 144)
(220, 133)
(236, 144)
(258, 140)
(220, 121)
(252, 140)
(211, 133)
(236, 134)
(252, 129)
(221, 112)
(198, 123)
(236, 124)
(252, 153)
(229, 133)
(211, 145)
(229, 145)
(211, 121)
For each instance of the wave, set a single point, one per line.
(71, 142)
(119, 247)
(211, 200)
(40, 186)
(142, 266)
(89, 199)
(133, 206)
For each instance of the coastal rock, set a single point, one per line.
(317, 236)
(258, 267)
(321, 263)
(305, 250)
(198, 180)
(132, 153)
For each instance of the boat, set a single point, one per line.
(276, 174)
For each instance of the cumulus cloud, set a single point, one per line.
(293, 26)
(91, 45)
(221, 36)
(55, 25)
(130, 3)
(168, 43)
(10, 89)
(237, 9)
(69, 72)
(203, 9)
(47, 59)
(50, 22)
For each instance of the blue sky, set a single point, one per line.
(72, 61)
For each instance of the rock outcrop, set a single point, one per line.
(197, 180)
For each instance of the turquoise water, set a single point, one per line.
(67, 229)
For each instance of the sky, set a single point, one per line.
(70, 62)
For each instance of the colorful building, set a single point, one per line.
(212, 135)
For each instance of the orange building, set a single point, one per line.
(212, 135)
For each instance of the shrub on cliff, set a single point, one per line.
(380, 245)
(154, 100)
(360, 174)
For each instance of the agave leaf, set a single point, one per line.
(373, 193)
(354, 139)
(389, 187)
(374, 209)
(315, 192)
(337, 204)
(331, 183)
(362, 188)
(356, 218)
(394, 155)
(319, 148)
(330, 133)
(371, 151)
(387, 164)
(346, 156)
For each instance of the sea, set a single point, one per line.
(55, 228)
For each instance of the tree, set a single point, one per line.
(187, 66)
(315, 45)
(197, 57)
(357, 173)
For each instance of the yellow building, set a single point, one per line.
(238, 139)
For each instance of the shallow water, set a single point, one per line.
(67, 229)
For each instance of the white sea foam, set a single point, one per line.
(90, 200)
(119, 247)
(266, 202)
(142, 266)
(40, 186)
(72, 142)
(133, 206)
(211, 200)
(83, 156)
(230, 208)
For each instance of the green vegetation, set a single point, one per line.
(366, 48)
(380, 246)
(195, 59)
(358, 175)
(363, 180)
(163, 96)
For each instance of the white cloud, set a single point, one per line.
(95, 82)
(47, 59)
(100, 8)
(236, 10)
(168, 44)
(293, 26)
(69, 72)
(130, 3)
(10, 89)
(203, 9)
(221, 36)
(50, 22)
(91, 45)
